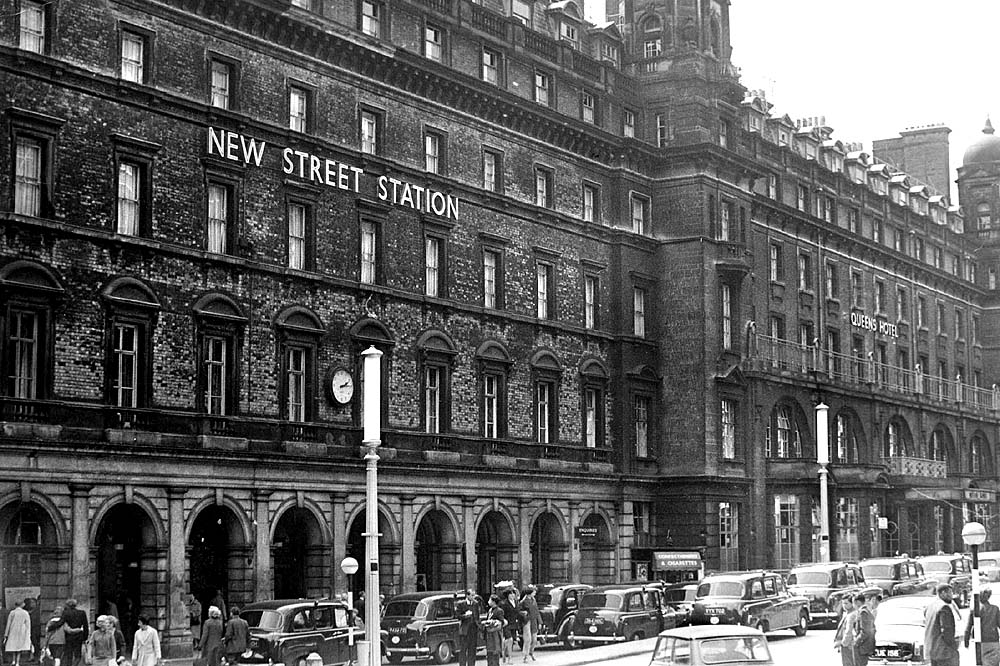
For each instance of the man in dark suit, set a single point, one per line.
(864, 627)
(939, 631)
(989, 622)
(77, 629)
(468, 629)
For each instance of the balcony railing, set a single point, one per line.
(773, 354)
(922, 467)
(488, 21)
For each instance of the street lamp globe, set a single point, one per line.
(974, 534)
(349, 565)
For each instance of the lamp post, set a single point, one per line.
(372, 420)
(823, 458)
(349, 566)
(974, 534)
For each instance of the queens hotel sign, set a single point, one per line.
(868, 323)
(338, 175)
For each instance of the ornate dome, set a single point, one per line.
(985, 149)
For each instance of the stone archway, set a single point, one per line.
(30, 553)
(128, 561)
(218, 558)
(300, 568)
(495, 550)
(548, 550)
(597, 554)
(438, 555)
(388, 555)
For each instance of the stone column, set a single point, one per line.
(574, 550)
(471, 574)
(176, 641)
(263, 585)
(408, 554)
(79, 565)
(338, 528)
(524, 543)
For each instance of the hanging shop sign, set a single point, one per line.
(972, 495)
(676, 560)
(319, 170)
(582, 532)
(869, 323)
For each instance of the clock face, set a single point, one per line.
(342, 386)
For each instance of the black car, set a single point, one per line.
(286, 631)
(557, 604)
(897, 575)
(752, 598)
(422, 624)
(826, 585)
(617, 613)
(954, 569)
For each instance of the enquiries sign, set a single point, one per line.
(319, 170)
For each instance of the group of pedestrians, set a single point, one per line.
(855, 637)
(223, 641)
(508, 620)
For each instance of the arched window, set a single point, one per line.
(846, 438)
(132, 310)
(494, 364)
(220, 324)
(980, 459)
(299, 333)
(939, 444)
(546, 371)
(898, 443)
(652, 24)
(984, 218)
(30, 293)
(593, 380)
(436, 353)
(783, 437)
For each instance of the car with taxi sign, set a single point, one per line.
(557, 605)
(954, 569)
(287, 631)
(751, 598)
(826, 585)
(618, 613)
(422, 625)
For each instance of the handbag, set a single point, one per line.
(88, 653)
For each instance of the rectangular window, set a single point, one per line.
(959, 324)
(216, 360)
(545, 412)
(640, 214)
(28, 177)
(433, 152)
(218, 217)
(628, 124)
(371, 18)
(543, 187)
(23, 344)
(726, 307)
(587, 107)
(129, 177)
(125, 365)
(848, 547)
(640, 412)
(591, 399)
(639, 312)
(921, 311)
(133, 57)
(297, 235)
(772, 186)
(802, 198)
(832, 280)
(805, 272)
(662, 130)
(520, 10)
(543, 85)
(369, 131)
(975, 329)
(433, 42)
(879, 296)
(221, 81)
(590, 202)
(491, 406)
(857, 291)
(491, 268)
(32, 33)
(298, 109)
(651, 48)
(728, 411)
(729, 536)
(853, 220)
(942, 326)
(295, 377)
(369, 251)
(568, 32)
(777, 264)
(492, 171)
(544, 292)
(591, 292)
(432, 266)
(491, 66)
(723, 136)
(432, 399)
(786, 524)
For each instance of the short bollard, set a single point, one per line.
(362, 659)
(313, 659)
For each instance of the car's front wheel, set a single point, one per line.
(803, 625)
(394, 658)
(444, 653)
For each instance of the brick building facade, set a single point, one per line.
(609, 288)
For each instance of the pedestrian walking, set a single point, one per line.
(212, 632)
(843, 640)
(237, 636)
(77, 628)
(468, 629)
(102, 644)
(219, 603)
(194, 615)
(939, 632)
(116, 629)
(864, 627)
(146, 644)
(531, 621)
(508, 604)
(54, 641)
(989, 623)
(493, 626)
(17, 633)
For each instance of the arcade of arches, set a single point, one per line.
(146, 551)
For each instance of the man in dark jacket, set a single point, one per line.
(468, 629)
(237, 636)
(989, 624)
(864, 628)
(939, 631)
(77, 628)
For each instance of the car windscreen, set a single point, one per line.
(545, 597)
(937, 567)
(809, 578)
(721, 588)
(877, 570)
(601, 600)
(741, 649)
(405, 608)
(891, 615)
(988, 562)
(265, 620)
(679, 595)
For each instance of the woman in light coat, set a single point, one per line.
(17, 634)
(211, 637)
(146, 646)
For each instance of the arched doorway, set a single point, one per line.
(300, 568)
(126, 566)
(597, 554)
(218, 558)
(548, 550)
(495, 550)
(388, 555)
(30, 557)
(437, 553)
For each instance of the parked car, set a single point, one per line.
(899, 630)
(681, 596)
(752, 598)
(287, 630)
(711, 644)
(420, 625)
(896, 575)
(989, 565)
(955, 569)
(616, 613)
(826, 585)
(557, 605)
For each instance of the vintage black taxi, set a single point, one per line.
(616, 613)
(896, 575)
(287, 630)
(955, 569)
(751, 598)
(421, 625)
(826, 585)
(557, 604)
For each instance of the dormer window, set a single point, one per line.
(568, 32)
(609, 52)
(521, 10)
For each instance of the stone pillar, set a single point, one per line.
(524, 543)
(409, 548)
(338, 529)
(263, 585)
(79, 565)
(176, 640)
(574, 550)
(471, 574)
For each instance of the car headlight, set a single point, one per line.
(918, 650)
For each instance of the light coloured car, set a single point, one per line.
(989, 565)
(706, 644)
(899, 630)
